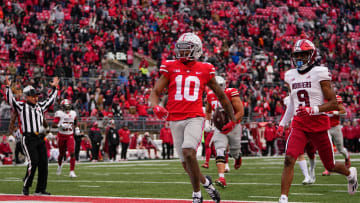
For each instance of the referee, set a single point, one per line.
(31, 113)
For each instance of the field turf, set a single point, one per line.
(258, 179)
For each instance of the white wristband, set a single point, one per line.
(336, 112)
(315, 109)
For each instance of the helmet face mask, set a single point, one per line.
(188, 47)
(303, 54)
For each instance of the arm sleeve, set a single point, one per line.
(323, 73)
(11, 100)
(289, 113)
(49, 101)
(164, 70)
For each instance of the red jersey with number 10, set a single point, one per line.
(186, 87)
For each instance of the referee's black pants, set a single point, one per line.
(36, 153)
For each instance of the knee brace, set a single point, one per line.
(220, 159)
(220, 155)
(220, 152)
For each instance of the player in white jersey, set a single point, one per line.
(309, 86)
(65, 120)
(336, 133)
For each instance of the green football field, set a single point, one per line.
(258, 179)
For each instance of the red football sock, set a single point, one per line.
(60, 158)
(72, 163)
(207, 155)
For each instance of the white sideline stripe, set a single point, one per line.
(107, 197)
(153, 182)
(89, 186)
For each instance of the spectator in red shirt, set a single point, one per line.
(86, 145)
(351, 136)
(148, 143)
(124, 134)
(270, 134)
(134, 140)
(5, 150)
(356, 135)
(166, 137)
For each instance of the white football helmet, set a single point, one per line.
(66, 105)
(221, 81)
(188, 47)
(111, 122)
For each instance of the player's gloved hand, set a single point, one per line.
(280, 131)
(332, 113)
(307, 111)
(64, 126)
(228, 127)
(208, 126)
(160, 112)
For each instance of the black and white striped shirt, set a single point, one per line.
(31, 115)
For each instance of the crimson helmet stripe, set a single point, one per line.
(184, 37)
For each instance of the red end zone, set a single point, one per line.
(22, 198)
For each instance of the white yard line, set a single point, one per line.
(89, 186)
(307, 194)
(265, 197)
(153, 182)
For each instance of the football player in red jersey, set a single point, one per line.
(221, 138)
(209, 145)
(185, 79)
(65, 120)
(309, 85)
(336, 133)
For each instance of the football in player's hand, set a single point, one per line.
(220, 118)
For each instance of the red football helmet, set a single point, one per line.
(303, 54)
(66, 105)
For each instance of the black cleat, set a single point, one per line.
(42, 193)
(197, 199)
(210, 189)
(25, 191)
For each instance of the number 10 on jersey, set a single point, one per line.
(191, 88)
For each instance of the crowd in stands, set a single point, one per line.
(249, 43)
